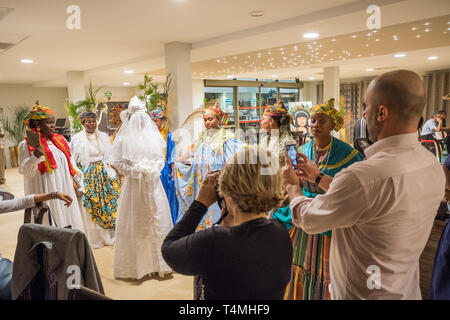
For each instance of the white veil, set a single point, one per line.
(138, 140)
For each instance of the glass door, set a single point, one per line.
(250, 111)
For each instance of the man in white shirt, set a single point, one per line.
(380, 210)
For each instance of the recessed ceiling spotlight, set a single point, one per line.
(26, 61)
(413, 28)
(274, 76)
(400, 55)
(369, 69)
(354, 36)
(377, 40)
(230, 76)
(418, 36)
(126, 83)
(426, 24)
(311, 35)
(218, 60)
(433, 58)
(427, 30)
(374, 31)
(311, 78)
(128, 71)
(256, 13)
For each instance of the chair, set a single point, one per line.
(48, 259)
(38, 213)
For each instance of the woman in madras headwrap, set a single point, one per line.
(310, 271)
(167, 172)
(101, 183)
(48, 168)
(276, 121)
(209, 153)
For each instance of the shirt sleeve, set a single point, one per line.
(342, 206)
(186, 251)
(17, 204)
(28, 164)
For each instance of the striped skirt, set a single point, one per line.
(310, 276)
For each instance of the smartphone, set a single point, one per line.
(291, 148)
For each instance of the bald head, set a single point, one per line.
(401, 92)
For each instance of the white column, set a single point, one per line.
(75, 86)
(331, 85)
(178, 63)
(331, 88)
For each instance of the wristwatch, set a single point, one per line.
(319, 177)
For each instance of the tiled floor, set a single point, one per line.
(173, 286)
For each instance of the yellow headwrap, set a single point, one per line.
(329, 110)
(37, 112)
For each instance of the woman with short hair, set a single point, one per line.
(101, 183)
(248, 256)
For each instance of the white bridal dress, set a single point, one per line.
(143, 216)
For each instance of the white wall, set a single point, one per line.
(198, 93)
(13, 95)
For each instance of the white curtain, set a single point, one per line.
(437, 85)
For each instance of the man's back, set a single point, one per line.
(402, 185)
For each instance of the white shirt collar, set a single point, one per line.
(400, 140)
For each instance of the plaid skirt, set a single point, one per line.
(310, 276)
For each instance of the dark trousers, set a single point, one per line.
(429, 145)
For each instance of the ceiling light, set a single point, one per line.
(413, 28)
(399, 55)
(311, 78)
(433, 58)
(310, 35)
(418, 36)
(128, 71)
(274, 76)
(230, 76)
(369, 69)
(126, 83)
(354, 36)
(426, 24)
(377, 40)
(427, 30)
(26, 61)
(256, 13)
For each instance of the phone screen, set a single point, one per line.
(291, 150)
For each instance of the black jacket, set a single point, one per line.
(249, 261)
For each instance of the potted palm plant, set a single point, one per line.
(88, 104)
(15, 127)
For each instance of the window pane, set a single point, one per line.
(289, 95)
(249, 110)
(268, 96)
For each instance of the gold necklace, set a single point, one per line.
(328, 147)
